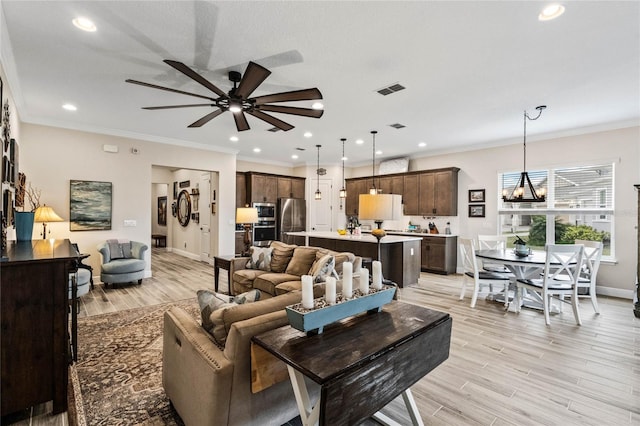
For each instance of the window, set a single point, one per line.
(579, 206)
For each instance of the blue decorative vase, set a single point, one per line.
(24, 225)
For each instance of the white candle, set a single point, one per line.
(307, 291)
(364, 281)
(347, 280)
(330, 290)
(377, 275)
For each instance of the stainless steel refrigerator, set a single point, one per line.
(291, 217)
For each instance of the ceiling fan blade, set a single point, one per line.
(307, 112)
(241, 121)
(253, 76)
(178, 106)
(206, 118)
(271, 120)
(195, 76)
(168, 89)
(295, 95)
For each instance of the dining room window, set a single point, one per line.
(579, 206)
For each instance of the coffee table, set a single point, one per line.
(362, 363)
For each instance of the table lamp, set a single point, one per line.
(378, 207)
(246, 216)
(46, 214)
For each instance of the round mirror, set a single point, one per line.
(184, 208)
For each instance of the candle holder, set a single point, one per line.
(312, 321)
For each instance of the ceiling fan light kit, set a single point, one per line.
(524, 191)
(237, 100)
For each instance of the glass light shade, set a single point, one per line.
(375, 207)
(246, 215)
(373, 191)
(46, 214)
(318, 195)
(343, 193)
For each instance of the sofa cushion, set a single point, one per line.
(123, 266)
(246, 277)
(248, 297)
(281, 255)
(288, 287)
(301, 261)
(268, 282)
(322, 268)
(259, 258)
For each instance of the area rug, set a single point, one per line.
(118, 377)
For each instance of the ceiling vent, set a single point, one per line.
(392, 88)
(273, 130)
(397, 125)
(301, 149)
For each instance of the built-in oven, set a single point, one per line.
(264, 232)
(266, 211)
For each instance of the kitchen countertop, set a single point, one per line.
(365, 238)
(420, 234)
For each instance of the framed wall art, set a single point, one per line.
(90, 205)
(162, 211)
(476, 196)
(476, 210)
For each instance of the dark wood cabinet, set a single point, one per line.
(291, 187)
(34, 321)
(439, 254)
(392, 184)
(262, 188)
(354, 189)
(439, 193)
(267, 188)
(298, 188)
(241, 190)
(410, 195)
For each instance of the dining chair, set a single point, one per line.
(560, 278)
(492, 242)
(480, 277)
(589, 271)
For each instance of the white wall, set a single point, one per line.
(52, 156)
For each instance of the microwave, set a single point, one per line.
(266, 211)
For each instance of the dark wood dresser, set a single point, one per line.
(34, 319)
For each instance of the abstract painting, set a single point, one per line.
(162, 211)
(90, 205)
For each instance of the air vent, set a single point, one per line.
(397, 125)
(392, 88)
(273, 130)
(301, 149)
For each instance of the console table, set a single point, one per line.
(362, 363)
(34, 317)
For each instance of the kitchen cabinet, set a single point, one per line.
(355, 187)
(284, 187)
(392, 185)
(262, 188)
(439, 254)
(241, 190)
(439, 192)
(298, 188)
(291, 187)
(410, 195)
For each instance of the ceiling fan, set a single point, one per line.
(238, 101)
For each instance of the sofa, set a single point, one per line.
(209, 383)
(122, 261)
(280, 270)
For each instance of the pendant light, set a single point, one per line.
(343, 190)
(318, 195)
(373, 190)
(524, 192)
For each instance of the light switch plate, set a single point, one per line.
(130, 222)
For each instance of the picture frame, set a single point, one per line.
(476, 210)
(476, 196)
(162, 211)
(90, 205)
(175, 191)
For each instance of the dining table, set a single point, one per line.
(522, 267)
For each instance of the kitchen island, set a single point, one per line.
(400, 255)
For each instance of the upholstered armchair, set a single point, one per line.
(122, 262)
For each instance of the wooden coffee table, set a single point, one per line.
(362, 363)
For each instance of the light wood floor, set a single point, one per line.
(504, 368)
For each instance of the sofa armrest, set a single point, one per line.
(238, 263)
(138, 249)
(196, 375)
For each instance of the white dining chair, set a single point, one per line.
(589, 271)
(560, 278)
(492, 242)
(480, 277)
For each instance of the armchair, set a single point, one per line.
(122, 262)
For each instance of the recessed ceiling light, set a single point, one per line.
(359, 141)
(70, 107)
(422, 144)
(84, 24)
(551, 12)
(308, 134)
(378, 152)
(233, 139)
(256, 150)
(317, 105)
(294, 156)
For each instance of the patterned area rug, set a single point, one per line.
(118, 377)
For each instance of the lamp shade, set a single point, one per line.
(246, 215)
(46, 214)
(375, 207)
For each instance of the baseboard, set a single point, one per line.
(615, 292)
(185, 254)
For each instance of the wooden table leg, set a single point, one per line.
(216, 274)
(309, 415)
(412, 409)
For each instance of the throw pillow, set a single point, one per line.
(281, 255)
(322, 268)
(126, 250)
(301, 261)
(209, 303)
(259, 258)
(248, 297)
(115, 249)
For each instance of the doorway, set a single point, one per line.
(321, 217)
